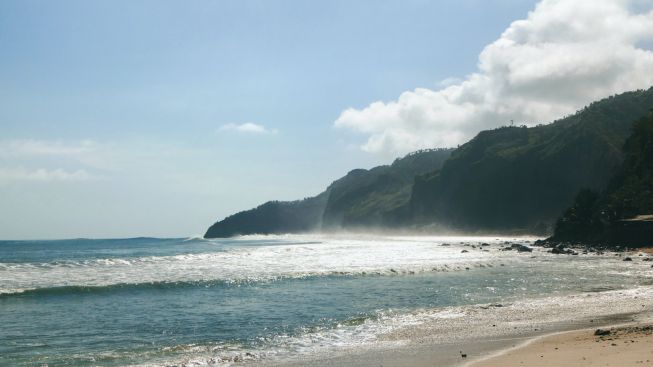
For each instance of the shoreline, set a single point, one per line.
(515, 350)
(471, 338)
(484, 352)
(627, 344)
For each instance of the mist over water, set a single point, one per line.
(260, 299)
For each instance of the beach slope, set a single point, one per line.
(616, 346)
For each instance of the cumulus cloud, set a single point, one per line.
(44, 175)
(564, 55)
(247, 128)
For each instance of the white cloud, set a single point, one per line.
(449, 81)
(247, 128)
(91, 155)
(44, 175)
(565, 54)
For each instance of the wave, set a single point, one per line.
(296, 257)
(109, 288)
(384, 330)
(196, 238)
(210, 283)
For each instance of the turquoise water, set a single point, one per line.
(147, 301)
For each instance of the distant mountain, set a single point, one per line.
(622, 214)
(519, 178)
(358, 199)
(364, 198)
(503, 180)
(273, 217)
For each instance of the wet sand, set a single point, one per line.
(618, 346)
(515, 333)
(529, 340)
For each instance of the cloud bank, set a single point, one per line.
(564, 55)
(43, 175)
(247, 128)
(32, 147)
(35, 160)
(17, 158)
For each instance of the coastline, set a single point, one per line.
(473, 341)
(436, 299)
(508, 334)
(629, 344)
(616, 345)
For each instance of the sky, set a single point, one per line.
(157, 118)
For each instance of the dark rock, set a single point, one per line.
(463, 251)
(627, 259)
(601, 332)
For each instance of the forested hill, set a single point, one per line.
(607, 217)
(360, 197)
(363, 198)
(519, 178)
(513, 178)
(273, 217)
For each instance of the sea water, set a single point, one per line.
(269, 299)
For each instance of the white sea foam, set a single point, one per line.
(456, 324)
(269, 258)
(286, 257)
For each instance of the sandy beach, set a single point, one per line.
(615, 346)
(548, 332)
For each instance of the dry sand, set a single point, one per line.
(623, 346)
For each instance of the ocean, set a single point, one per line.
(275, 300)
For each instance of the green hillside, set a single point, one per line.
(273, 217)
(519, 178)
(364, 197)
(506, 179)
(598, 218)
(358, 198)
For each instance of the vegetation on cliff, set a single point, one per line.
(514, 178)
(599, 217)
(359, 198)
(273, 217)
(364, 198)
(519, 178)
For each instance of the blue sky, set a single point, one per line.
(126, 118)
